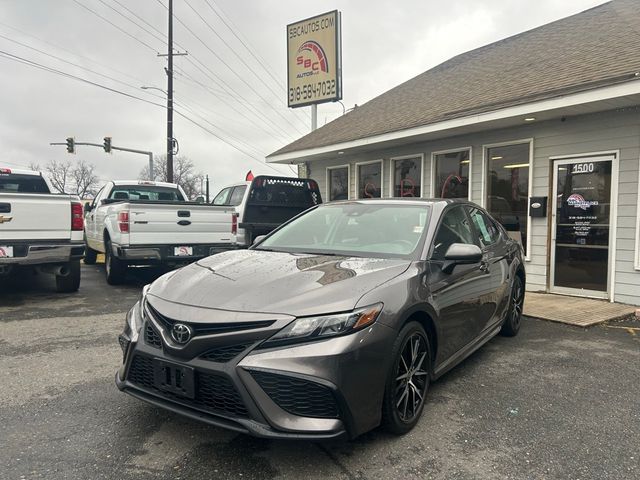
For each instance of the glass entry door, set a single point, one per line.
(581, 226)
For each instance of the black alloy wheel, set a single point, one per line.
(513, 319)
(409, 379)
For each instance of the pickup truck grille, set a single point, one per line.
(207, 328)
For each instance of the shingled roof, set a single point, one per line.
(598, 47)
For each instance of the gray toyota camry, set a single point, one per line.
(331, 325)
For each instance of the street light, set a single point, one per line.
(146, 87)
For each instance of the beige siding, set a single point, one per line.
(609, 131)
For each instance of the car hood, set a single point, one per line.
(275, 282)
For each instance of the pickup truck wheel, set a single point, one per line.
(114, 267)
(90, 256)
(71, 281)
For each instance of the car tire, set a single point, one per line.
(115, 268)
(71, 282)
(513, 319)
(398, 416)
(90, 255)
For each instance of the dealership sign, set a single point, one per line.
(314, 63)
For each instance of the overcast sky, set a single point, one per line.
(222, 84)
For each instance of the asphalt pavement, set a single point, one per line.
(556, 402)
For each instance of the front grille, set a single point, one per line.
(151, 337)
(225, 354)
(297, 396)
(213, 393)
(208, 328)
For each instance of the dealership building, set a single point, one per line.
(542, 129)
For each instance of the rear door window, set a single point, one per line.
(237, 195)
(488, 232)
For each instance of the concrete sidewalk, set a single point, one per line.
(579, 311)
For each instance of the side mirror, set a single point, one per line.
(461, 254)
(87, 207)
(258, 239)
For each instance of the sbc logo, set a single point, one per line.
(312, 58)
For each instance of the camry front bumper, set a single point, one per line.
(318, 390)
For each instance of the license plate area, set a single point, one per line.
(6, 251)
(174, 378)
(183, 251)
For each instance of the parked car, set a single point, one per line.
(334, 323)
(151, 223)
(38, 229)
(266, 202)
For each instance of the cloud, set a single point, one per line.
(384, 44)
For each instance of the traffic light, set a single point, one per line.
(71, 145)
(107, 144)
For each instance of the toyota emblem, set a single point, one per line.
(181, 333)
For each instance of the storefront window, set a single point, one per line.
(338, 183)
(508, 188)
(451, 175)
(370, 180)
(407, 175)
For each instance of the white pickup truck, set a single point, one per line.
(39, 229)
(150, 223)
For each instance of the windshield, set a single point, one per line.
(354, 229)
(146, 192)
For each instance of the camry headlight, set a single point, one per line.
(316, 328)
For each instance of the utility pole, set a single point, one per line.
(169, 69)
(207, 184)
(170, 97)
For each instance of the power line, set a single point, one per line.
(198, 64)
(233, 29)
(31, 63)
(264, 164)
(50, 44)
(241, 98)
(233, 106)
(116, 26)
(230, 69)
(132, 21)
(277, 95)
(76, 65)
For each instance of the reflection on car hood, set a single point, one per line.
(276, 282)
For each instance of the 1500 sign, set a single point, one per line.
(312, 91)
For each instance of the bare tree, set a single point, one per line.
(59, 174)
(34, 166)
(85, 179)
(184, 174)
(79, 179)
